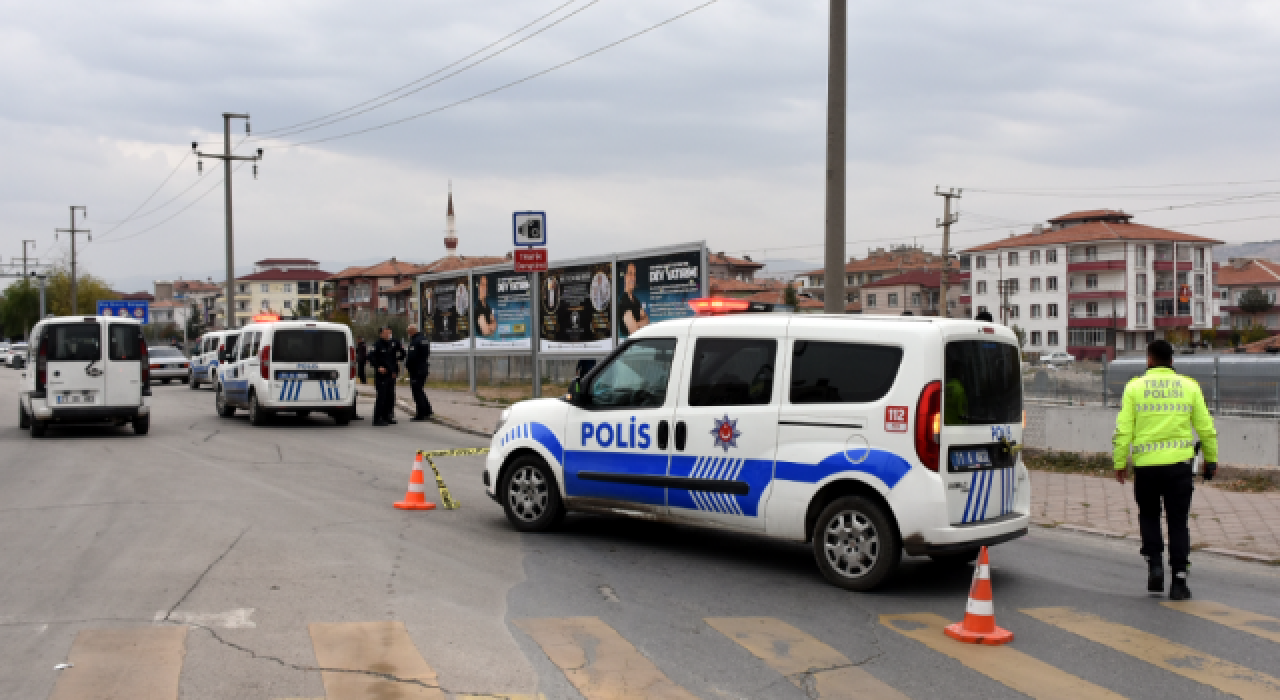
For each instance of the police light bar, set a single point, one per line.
(715, 305)
(266, 318)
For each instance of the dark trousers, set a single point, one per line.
(421, 404)
(1173, 484)
(362, 380)
(385, 406)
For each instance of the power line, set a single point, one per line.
(1093, 188)
(154, 192)
(175, 215)
(509, 85)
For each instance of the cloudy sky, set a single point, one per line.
(710, 127)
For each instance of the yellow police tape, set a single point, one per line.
(445, 497)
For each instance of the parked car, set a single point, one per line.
(1057, 357)
(14, 356)
(168, 363)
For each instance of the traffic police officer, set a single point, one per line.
(416, 364)
(385, 367)
(1155, 421)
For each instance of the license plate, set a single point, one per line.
(971, 459)
(293, 375)
(66, 399)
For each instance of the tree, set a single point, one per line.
(195, 321)
(89, 291)
(1177, 337)
(19, 308)
(1022, 336)
(1255, 333)
(790, 298)
(1255, 301)
(1209, 335)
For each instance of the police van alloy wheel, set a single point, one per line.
(24, 420)
(257, 416)
(141, 424)
(530, 496)
(855, 544)
(225, 409)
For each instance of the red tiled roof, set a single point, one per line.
(397, 289)
(924, 278)
(137, 296)
(893, 261)
(276, 262)
(285, 275)
(722, 259)
(1091, 215)
(395, 268)
(719, 285)
(1255, 272)
(463, 262)
(1093, 231)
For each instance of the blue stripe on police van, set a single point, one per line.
(975, 494)
(756, 473)
(968, 502)
(986, 496)
(886, 466)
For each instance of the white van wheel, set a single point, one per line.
(224, 409)
(38, 427)
(141, 424)
(24, 420)
(855, 544)
(257, 416)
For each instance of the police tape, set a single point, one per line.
(446, 498)
(460, 452)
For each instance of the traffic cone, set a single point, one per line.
(415, 498)
(979, 625)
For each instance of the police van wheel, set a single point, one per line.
(141, 425)
(341, 417)
(191, 382)
(960, 558)
(530, 495)
(38, 427)
(24, 420)
(225, 409)
(257, 416)
(855, 544)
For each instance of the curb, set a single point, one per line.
(1217, 551)
(435, 417)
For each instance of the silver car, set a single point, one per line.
(14, 356)
(168, 363)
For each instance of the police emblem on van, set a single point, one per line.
(726, 433)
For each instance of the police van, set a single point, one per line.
(299, 367)
(211, 350)
(86, 369)
(864, 435)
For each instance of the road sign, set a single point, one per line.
(136, 310)
(529, 228)
(531, 260)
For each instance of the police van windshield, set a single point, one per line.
(309, 346)
(983, 383)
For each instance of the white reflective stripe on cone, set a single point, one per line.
(980, 607)
(415, 488)
(984, 572)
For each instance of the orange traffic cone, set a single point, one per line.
(979, 626)
(415, 498)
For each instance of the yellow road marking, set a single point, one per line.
(819, 670)
(1243, 620)
(378, 659)
(1025, 674)
(1230, 678)
(139, 662)
(598, 661)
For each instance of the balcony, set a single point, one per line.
(1108, 290)
(1173, 321)
(1167, 265)
(1082, 321)
(1079, 261)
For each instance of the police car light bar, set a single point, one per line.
(715, 305)
(265, 318)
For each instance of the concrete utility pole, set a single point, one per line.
(84, 214)
(837, 91)
(226, 159)
(25, 241)
(945, 224)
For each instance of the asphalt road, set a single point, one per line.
(211, 559)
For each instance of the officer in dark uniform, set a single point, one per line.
(416, 362)
(362, 357)
(385, 367)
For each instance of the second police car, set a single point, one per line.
(211, 350)
(864, 435)
(299, 367)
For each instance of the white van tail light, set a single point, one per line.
(146, 360)
(42, 363)
(352, 351)
(929, 425)
(264, 360)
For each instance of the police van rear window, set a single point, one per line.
(309, 346)
(823, 372)
(983, 384)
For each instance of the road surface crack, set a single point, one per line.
(210, 436)
(205, 573)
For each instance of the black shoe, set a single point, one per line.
(379, 423)
(357, 417)
(1178, 588)
(1155, 577)
(418, 419)
(391, 421)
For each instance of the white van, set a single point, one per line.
(209, 352)
(297, 367)
(86, 369)
(865, 435)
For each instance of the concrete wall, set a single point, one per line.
(1250, 442)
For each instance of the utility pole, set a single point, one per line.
(25, 241)
(837, 91)
(84, 214)
(945, 224)
(226, 159)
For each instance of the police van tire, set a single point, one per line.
(141, 425)
(191, 382)
(24, 420)
(38, 427)
(530, 495)
(855, 543)
(257, 414)
(220, 403)
(959, 558)
(185, 379)
(341, 417)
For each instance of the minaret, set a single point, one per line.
(451, 229)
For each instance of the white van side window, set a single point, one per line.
(637, 377)
(733, 372)
(824, 372)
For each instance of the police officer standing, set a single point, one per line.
(1155, 421)
(416, 362)
(362, 357)
(385, 367)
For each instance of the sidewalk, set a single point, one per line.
(455, 409)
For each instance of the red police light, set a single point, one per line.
(266, 318)
(717, 305)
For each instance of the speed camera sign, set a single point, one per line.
(530, 228)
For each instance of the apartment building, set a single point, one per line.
(1094, 283)
(916, 293)
(878, 265)
(1240, 275)
(284, 286)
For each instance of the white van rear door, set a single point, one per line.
(75, 364)
(123, 364)
(307, 365)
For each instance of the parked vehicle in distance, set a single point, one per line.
(210, 350)
(1057, 357)
(168, 363)
(14, 356)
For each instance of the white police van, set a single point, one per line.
(211, 350)
(86, 369)
(865, 435)
(297, 367)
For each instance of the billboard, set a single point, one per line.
(576, 309)
(445, 305)
(136, 310)
(504, 316)
(656, 288)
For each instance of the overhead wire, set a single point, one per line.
(178, 213)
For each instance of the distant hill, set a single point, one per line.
(1262, 249)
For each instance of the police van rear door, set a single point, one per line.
(981, 425)
(307, 362)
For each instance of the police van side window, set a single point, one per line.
(246, 345)
(823, 372)
(636, 378)
(257, 345)
(732, 372)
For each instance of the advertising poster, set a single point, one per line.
(504, 316)
(657, 288)
(445, 304)
(577, 309)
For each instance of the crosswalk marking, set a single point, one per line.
(598, 661)
(136, 662)
(1023, 673)
(1243, 620)
(1227, 677)
(378, 659)
(819, 670)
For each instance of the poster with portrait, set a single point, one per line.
(445, 304)
(576, 307)
(502, 310)
(657, 288)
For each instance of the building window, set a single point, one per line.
(871, 301)
(1087, 337)
(1199, 258)
(1035, 284)
(1035, 257)
(915, 299)
(965, 286)
(1200, 312)
(1090, 281)
(288, 304)
(244, 289)
(1011, 286)
(1013, 311)
(1035, 311)
(893, 300)
(1140, 285)
(1141, 311)
(982, 310)
(964, 262)
(1053, 337)
(980, 262)
(1051, 256)
(982, 286)
(1035, 338)
(1013, 258)
(287, 289)
(1051, 284)
(242, 306)
(1199, 285)
(266, 304)
(1141, 253)
(264, 288)
(1052, 310)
